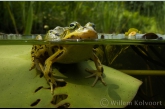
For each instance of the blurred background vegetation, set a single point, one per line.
(36, 17)
(30, 17)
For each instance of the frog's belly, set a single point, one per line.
(76, 53)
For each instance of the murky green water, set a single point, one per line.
(114, 50)
(118, 55)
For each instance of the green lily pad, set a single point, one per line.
(18, 84)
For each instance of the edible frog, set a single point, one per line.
(43, 56)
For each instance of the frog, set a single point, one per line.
(43, 56)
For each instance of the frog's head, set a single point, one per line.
(76, 31)
(55, 33)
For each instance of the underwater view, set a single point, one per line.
(70, 55)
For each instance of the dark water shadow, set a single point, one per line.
(112, 93)
(76, 73)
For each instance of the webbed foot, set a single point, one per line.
(97, 74)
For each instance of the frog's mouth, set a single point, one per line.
(82, 33)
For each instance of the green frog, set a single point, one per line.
(43, 56)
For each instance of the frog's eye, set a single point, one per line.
(93, 25)
(72, 25)
(89, 24)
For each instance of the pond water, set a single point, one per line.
(113, 49)
(119, 56)
(113, 39)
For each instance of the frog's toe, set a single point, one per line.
(51, 87)
(53, 84)
(98, 76)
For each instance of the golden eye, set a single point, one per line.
(72, 25)
(89, 24)
(93, 25)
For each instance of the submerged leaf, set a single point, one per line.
(18, 85)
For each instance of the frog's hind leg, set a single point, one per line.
(97, 73)
(48, 71)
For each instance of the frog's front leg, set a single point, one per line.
(97, 73)
(48, 71)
